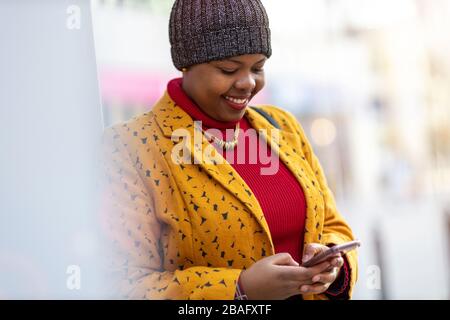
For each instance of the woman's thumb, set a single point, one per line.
(310, 251)
(284, 259)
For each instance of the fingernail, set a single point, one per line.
(304, 289)
(316, 278)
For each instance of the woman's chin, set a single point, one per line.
(236, 116)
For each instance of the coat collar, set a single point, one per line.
(171, 118)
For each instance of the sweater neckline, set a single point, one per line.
(179, 96)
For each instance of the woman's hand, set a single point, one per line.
(278, 277)
(322, 281)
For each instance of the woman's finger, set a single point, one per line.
(314, 289)
(300, 273)
(282, 259)
(311, 250)
(319, 268)
(326, 277)
(295, 285)
(337, 262)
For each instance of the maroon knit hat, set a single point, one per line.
(206, 30)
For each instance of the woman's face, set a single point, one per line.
(211, 85)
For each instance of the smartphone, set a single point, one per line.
(341, 248)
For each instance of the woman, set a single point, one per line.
(198, 213)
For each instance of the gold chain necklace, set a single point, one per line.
(227, 145)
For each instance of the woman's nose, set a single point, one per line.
(246, 83)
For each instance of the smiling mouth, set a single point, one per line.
(236, 100)
(235, 103)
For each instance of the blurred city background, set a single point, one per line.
(369, 80)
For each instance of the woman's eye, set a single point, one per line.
(228, 71)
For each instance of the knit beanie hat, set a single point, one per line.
(207, 30)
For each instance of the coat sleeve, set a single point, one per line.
(133, 230)
(335, 229)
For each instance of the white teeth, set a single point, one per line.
(238, 101)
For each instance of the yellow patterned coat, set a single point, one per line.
(186, 231)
